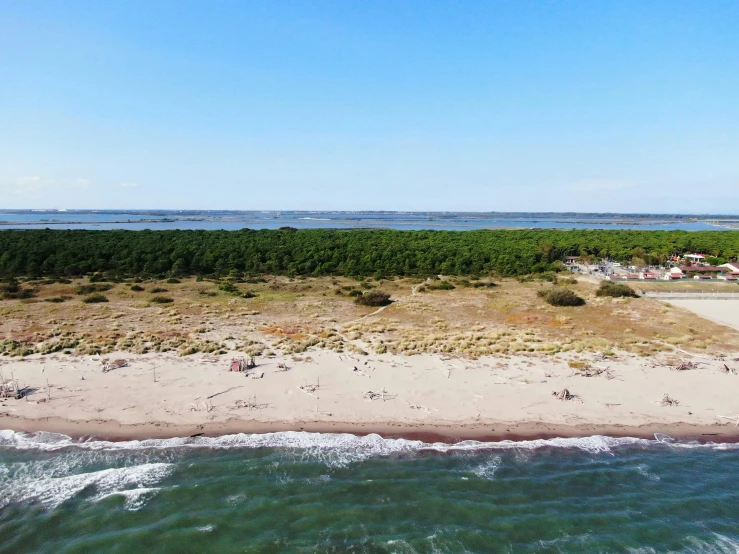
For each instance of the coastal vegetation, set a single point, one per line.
(110, 256)
(373, 298)
(291, 315)
(615, 290)
(561, 297)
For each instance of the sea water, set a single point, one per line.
(451, 221)
(310, 492)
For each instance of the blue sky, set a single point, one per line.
(360, 105)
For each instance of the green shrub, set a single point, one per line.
(12, 290)
(162, 300)
(58, 299)
(355, 292)
(441, 285)
(95, 298)
(615, 290)
(715, 261)
(561, 297)
(249, 294)
(374, 298)
(229, 287)
(155, 290)
(136, 288)
(89, 289)
(173, 281)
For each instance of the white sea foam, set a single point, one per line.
(32, 481)
(487, 469)
(335, 448)
(720, 545)
(134, 498)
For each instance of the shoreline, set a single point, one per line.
(115, 431)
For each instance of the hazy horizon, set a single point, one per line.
(378, 211)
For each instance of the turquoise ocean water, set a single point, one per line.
(308, 492)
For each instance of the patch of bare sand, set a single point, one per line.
(725, 312)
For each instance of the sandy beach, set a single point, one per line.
(160, 395)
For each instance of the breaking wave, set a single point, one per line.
(338, 448)
(37, 481)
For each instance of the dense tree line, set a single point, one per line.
(57, 253)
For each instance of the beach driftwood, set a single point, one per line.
(565, 395)
(728, 370)
(378, 395)
(115, 364)
(667, 400)
(686, 366)
(310, 388)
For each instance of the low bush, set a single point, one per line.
(173, 281)
(162, 300)
(561, 297)
(95, 298)
(155, 290)
(374, 298)
(58, 299)
(481, 284)
(440, 285)
(89, 289)
(12, 290)
(355, 292)
(229, 287)
(136, 288)
(249, 294)
(615, 290)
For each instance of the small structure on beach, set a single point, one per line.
(242, 365)
(10, 388)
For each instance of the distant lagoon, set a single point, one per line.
(457, 221)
